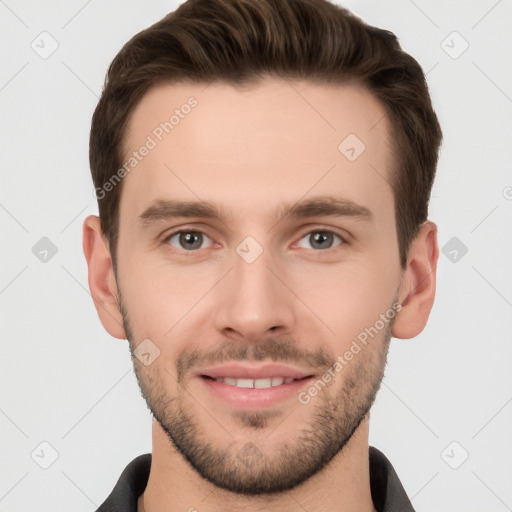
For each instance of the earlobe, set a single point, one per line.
(102, 283)
(418, 287)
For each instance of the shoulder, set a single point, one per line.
(129, 487)
(388, 494)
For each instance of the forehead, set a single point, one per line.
(277, 140)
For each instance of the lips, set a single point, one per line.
(253, 388)
(249, 373)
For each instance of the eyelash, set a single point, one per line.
(343, 239)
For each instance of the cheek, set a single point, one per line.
(348, 297)
(163, 300)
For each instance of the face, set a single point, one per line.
(252, 233)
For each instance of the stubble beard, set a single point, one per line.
(249, 469)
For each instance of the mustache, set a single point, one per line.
(276, 349)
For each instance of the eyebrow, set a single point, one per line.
(168, 209)
(326, 206)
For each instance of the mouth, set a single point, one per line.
(263, 383)
(254, 394)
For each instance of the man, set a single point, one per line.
(263, 170)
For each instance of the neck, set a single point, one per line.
(344, 484)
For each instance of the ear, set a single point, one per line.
(102, 282)
(418, 286)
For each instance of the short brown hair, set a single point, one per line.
(240, 42)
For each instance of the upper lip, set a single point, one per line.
(239, 371)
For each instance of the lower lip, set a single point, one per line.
(253, 398)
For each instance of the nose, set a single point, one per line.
(254, 302)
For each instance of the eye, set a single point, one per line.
(189, 240)
(320, 240)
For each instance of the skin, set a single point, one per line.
(253, 152)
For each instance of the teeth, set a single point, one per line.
(255, 383)
(264, 383)
(276, 381)
(244, 383)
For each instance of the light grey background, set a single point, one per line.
(66, 383)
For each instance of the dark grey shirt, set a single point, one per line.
(387, 492)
